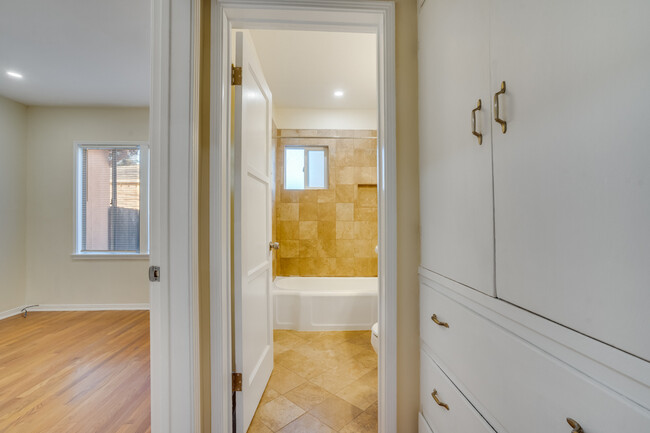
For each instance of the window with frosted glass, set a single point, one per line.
(305, 167)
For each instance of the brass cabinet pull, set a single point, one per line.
(438, 322)
(476, 134)
(575, 426)
(497, 118)
(434, 394)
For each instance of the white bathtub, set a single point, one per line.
(325, 303)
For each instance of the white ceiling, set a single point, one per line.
(303, 68)
(75, 52)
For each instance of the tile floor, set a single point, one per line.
(322, 382)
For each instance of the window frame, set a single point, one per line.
(306, 149)
(77, 221)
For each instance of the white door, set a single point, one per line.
(572, 173)
(455, 170)
(252, 232)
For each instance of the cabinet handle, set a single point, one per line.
(497, 118)
(438, 322)
(574, 425)
(476, 134)
(434, 394)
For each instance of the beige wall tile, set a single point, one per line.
(365, 133)
(328, 247)
(365, 158)
(343, 158)
(344, 230)
(365, 175)
(365, 230)
(308, 196)
(326, 230)
(345, 175)
(308, 230)
(289, 195)
(345, 267)
(289, 249)
(345, 193)
(309, 248)
(289, 267)
(365, 213)
(288, 230)
(288, 133)
(327, 211)
(344, 211)
(365, 143)
(365, 249)
(367, 196)
(326, 196)
(287, 211)
(345, 248)
(308, 211)
(365, 267)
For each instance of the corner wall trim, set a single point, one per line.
(9, 313)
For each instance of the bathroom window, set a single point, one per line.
(111, 199)
(305, 167)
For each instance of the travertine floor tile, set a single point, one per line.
(335, 412)
(360, 395)
(284, 380)
(278, 413)
(308, 395)
(364, 423)
(307, 424)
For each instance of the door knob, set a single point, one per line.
(274, 246)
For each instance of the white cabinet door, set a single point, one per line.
(572, 173)
(455, 171)
(252, 232)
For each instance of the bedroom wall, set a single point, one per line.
(13, 127)
(53, 275)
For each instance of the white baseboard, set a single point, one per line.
(88, 307)
(9, 313)
(73, 307)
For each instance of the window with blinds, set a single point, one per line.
(112, 198)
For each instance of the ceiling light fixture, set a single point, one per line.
(14, 74)
(338, 93)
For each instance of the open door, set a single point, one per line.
(253, 337)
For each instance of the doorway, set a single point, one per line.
(353, 17)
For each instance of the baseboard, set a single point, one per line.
(88, 307)
(12, 312)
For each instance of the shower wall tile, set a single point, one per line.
(333, 231)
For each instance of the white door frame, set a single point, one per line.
(174, 215)
(328, 15)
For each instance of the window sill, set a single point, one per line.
(110, 256)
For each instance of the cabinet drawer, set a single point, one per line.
(519, 387)
(423, 427)
(460, 417)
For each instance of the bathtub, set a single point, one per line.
(325, 303)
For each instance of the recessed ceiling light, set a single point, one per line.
(338, 93)
(14, 74)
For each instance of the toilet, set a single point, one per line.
(374, 337)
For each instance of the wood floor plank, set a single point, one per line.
(75, 372)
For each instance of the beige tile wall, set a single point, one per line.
(330, 232)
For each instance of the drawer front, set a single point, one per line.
(460, 417)
(423, 427)
(520, 387)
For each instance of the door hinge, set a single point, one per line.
(235, 75)
(236, 381)
(154, 273)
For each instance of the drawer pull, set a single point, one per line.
(497, 115)
(575, 426)
(478, 135)
(438, 322)
(434, 394)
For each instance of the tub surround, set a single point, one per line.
(329, 232)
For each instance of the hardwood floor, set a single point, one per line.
(75, 372)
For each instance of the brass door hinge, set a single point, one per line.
(235, 75)
(236, 381)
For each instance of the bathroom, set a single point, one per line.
(323, 212)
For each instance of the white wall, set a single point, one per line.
(308, 118)
(53, 275)
(13, 127)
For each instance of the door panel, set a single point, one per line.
(571, 175)
(455, 171)
(253, 338)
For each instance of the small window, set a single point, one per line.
(305, 167)
(111, 198)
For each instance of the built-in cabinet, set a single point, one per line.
(535, 209)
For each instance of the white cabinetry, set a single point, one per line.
(572, 173)
(551, 218)
(456, 172)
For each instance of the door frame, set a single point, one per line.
(328, 15)
(173, 136)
